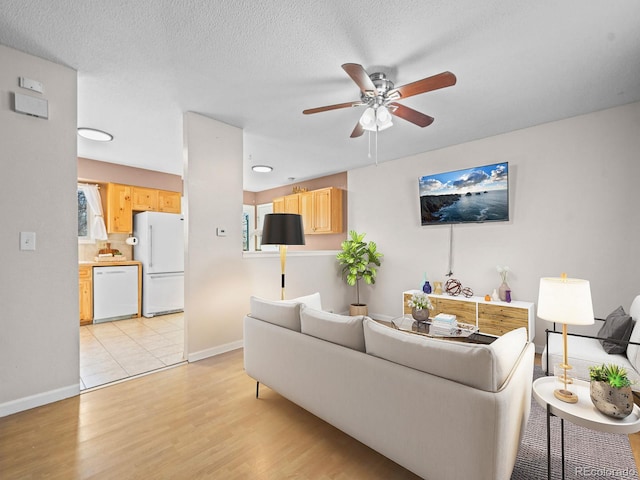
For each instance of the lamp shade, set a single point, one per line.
(282, 229)
(565, 300)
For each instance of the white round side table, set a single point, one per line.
(583, 413)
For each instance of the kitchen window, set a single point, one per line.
(85, 219)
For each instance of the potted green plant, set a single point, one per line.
(359, 260)
(610, 390)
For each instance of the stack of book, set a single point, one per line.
(443, 324)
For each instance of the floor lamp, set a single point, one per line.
(566, 301)
(282, 229)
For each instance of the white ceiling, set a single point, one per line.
(257, 65)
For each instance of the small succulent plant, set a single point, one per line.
(614, 375)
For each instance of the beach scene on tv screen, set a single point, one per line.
(479, 194)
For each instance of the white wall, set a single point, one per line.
(218, 279)
(574, 208)
(306, 272)
(39, 344)
(214, 288)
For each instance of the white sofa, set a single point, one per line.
(441, 409)
(585, 351)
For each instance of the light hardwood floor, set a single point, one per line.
(200, 420)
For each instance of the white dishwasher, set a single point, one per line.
(115, 292)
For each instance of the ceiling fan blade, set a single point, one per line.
(410, 115)
(360, 76)
(358, 131)
(441, 80)
(332, 107)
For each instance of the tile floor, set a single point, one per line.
(112, 351)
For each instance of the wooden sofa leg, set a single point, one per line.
(257, 389)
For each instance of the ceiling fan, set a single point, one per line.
(379, 95)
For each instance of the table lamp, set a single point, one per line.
(566, 301)
(282, 229)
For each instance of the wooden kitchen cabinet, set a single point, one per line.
(85, 278)
(306, 210)
(122, 200)
(327, 210)
(169, 202)
(144, 199)
(278, 205)
(321, 209)
(287, 204)
(118, 211)
(292, 203)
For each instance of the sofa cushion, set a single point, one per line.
(617, 326)
(633, 351)
(485, 367)
(280, 313)
(341, 329)
(311, 301)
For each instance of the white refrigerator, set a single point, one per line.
(160, 248)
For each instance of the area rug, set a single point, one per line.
(588, 454)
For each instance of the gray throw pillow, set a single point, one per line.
(617, 326)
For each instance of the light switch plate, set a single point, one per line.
(30, 84)
(221, 232)
(27, 240)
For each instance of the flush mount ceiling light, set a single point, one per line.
(94, 134)
(262, 168)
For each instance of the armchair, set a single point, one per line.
(587, 350)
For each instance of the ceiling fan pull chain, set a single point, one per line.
(369, 154)
(376, 145)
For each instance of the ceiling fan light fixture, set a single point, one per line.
(94, 134)
(368, 119)
(262, 168)
(383, 118)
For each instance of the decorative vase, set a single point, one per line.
(613, 402)
(437, 286)
(421, 315)
(426, 288)
(502, 291)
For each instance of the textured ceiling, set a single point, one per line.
(257, 65)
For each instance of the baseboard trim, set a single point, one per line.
(39, 399)
(212, 352)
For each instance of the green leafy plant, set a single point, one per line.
(359, 260)
(614, 375)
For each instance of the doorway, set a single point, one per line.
(115, 350)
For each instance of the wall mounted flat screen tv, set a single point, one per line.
(474, 195)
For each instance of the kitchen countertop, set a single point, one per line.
(93, 263)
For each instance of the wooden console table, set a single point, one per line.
(491, 318)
